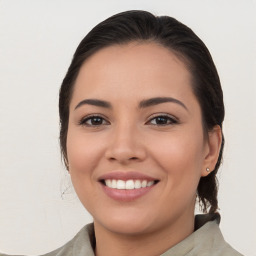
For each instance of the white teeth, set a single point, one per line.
(113, 185)
(129, 184)
(144, 183)
(137, 184)
(108, 183)
(120, 184)
(150, 183)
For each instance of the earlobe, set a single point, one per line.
(212, 155)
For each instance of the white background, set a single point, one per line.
(37, 40)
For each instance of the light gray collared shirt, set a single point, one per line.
(205, 240)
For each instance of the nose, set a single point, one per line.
(126, 145)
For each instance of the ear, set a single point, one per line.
(213, 145)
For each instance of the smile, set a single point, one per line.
(128, 184)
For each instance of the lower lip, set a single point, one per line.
(126, 195)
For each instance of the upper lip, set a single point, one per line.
(128, 175)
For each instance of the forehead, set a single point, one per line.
(138, 69)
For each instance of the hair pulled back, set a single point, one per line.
(142, 26)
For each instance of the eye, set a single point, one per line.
(93, 121)
(162, 120)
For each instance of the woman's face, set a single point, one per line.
(135, 122)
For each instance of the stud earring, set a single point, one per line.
(208, 169)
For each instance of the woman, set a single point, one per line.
(141, 112)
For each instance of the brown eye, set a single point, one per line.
(162, 120)
(93, 121)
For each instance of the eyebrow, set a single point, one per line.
(94, 102)
(159, 100)
(143, 104)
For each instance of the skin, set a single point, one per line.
(130, 138)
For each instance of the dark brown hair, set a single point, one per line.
(143, 26)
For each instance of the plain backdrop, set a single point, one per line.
(39, 211)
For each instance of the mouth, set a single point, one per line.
(127, 186)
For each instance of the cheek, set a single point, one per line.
(83, 156)
(83, 152)
(181, 158)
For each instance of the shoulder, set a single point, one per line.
(207, 239)
(80, 245)
(215, 242)
(209, 232)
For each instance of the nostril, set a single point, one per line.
(131, 158)
(124, 154)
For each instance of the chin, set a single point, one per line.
(127, 223)
(125, 228)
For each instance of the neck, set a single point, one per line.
(151, 244)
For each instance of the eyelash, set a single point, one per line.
(90, 118)
(169, 119)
